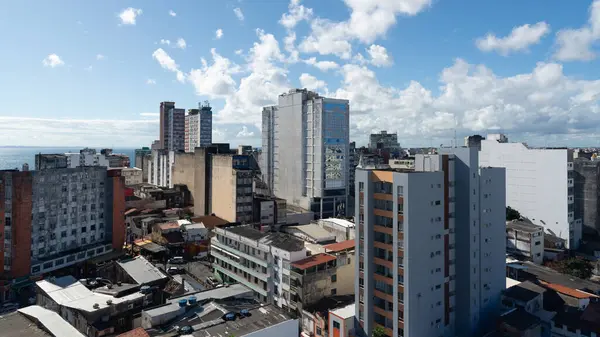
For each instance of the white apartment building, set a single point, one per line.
(306, 151)
(160, 168)
(198, 128)
(260, 261)
(86, 157)
(431, 246)
(539, 184)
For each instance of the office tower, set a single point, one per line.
(198, 127)
(175, 140)
(268, 139)
(539, 184)
(54, 218)
(431, 242)
(384, 140)
(307, 147)
(165, 107)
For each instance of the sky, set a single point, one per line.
(92, 73)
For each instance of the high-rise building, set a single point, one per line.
(175, 140)
(528, 173)
(139, 156)
(231, 184)
(431, 242)
(306, 141)
(54, 218)
(86, 157)
(586, 193)
(164, 123)
(198, 127)
(384, 140)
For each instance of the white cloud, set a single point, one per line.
(99, 57)
(181, 43)
(127, 133)
(379, 56)
(150, 81)
(239, 52)
(215, 80)
(311, 83)
(166, 42)
(519, 39)
(238, 13)
(322, 65)
(244, 133)
(52, 61)
(296, 13)
(168, 63)
(129, 15)
(576, 44)
(172, 13)
(219, 33)
(368, 21)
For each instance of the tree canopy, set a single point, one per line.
(512, 214)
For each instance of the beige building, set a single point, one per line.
(190, 169)
(133, 175)
(231, 190)
(344, 252)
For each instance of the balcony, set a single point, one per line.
(239, 278)
(257, 260)
(570, 182)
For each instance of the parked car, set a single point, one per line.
(175, 270)
(176, 260)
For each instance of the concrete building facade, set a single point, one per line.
(528, 173)
(55, 218)
(307, 146)
(160, 168)
(451, 285)
(165, 107)
(586, 177)
(384, 140)
(232, 188)
(526, 240)
(176, 135)
(86, 157)
(198, 127)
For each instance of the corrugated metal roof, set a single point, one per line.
(51, 321)
(313, 261)
(339, 246)
(141, 270)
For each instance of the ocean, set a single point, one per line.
(15, 157)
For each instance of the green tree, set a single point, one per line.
(575, 267)
(379, 331)
(512, 214)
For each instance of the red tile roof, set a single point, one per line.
(339, 246)
(568, 291)
(313, 261)
(137, 332)
(210, 221)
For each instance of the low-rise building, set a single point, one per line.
(342, 229)
(526, 240)
(36, 321)
(315, 317)
(132, 175)
(140, 271)
(341, 321)
(311, 233)
(311, 279)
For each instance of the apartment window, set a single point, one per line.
(334, 278)
(361, 186)
(400, 190)
(438, 202)
(336, 325)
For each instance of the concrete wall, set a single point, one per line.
(184, 171)
(223, 188)
(586, 193)
(346, 277)
(146, 203)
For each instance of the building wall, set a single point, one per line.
(132, 176)
(184, 171)
(86, 159)
(268, 134)
(345, 327)
(164, 123)
(586, 191)
(281, 274)
(528, 191)
(346, 277)
(224, 180)
(525, 243)
(22, 209)
(118, 211)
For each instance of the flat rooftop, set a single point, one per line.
(340, 246)
(345, 312)
(340, 222)
(141, 270)
(17, 325)
(276, 239)
(50, 320)
(313, 260)
(552, 276)
(260, 318)
(524, 226)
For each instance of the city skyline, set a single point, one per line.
(523, 70)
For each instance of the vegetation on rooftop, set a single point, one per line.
(512, 214)
(574, 267)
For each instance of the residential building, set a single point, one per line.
(164, 134)
(341, 321)
(344, 252)
(86, 157)
(244, 149)
(198, 127)
(586, 178)
(451, 285)
(160, 168)
(36, 321)
(132, 175)
(115, 159)
(306, 150)
(384, 140)
(44, 161)
(232, 188)
(316, 318)
(260, 261)
(176, 134)
(474, 141)
(528, 171)
(269, 210)
(139, 156)
(524, 239)
(94, 312)
(342, 229)
(55, 218)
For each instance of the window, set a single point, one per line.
(334, 278)
(336, 325)
(320, 332)
(438, 202)
(400, 190)
(333, 292)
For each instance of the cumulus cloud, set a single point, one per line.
(52, 61)
(379, 56)
(245, 133)
(150, 81)
(576, 44)
(219, 34)
(166, 42)
(168, 63)
(519, 39)
(172, 13)
(238, 13)
(129, 15)
(311, 83)
(368, 21)
(181, 44)
(322, 65)
(296, 13)
(215, 80)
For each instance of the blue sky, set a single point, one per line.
(92, 73)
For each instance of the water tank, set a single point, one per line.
(182, 303)
(192, 300)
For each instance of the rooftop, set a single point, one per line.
(341, 222)
(521, 293)
(552, 276)
(313, 231)
(137, 332)
(568, 291)
(149, 246)
(259, 318)
(339, 246)
(69, 292)
(169, 225)
(345, 312)
(524, 226)
(234, 290)
(50, 320)
(275, 239)
(141, 271)
(520, 319)
(17, 325)
(313, 260)
(210, 221)
(330, 303)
